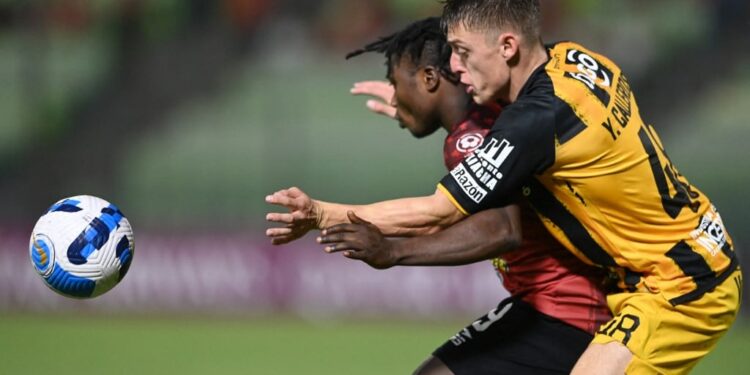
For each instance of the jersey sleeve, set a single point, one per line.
(520, 145)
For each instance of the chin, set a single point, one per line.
(485, 97)
(421, 133)
(481, 100)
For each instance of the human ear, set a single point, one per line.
(430, 78)
(508, 44)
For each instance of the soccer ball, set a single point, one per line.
(82, 246)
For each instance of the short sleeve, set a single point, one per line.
(520, 145)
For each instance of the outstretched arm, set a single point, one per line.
(482, 236)
(398, 217)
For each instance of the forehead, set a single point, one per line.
(403, 67)
(460, 35)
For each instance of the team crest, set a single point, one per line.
(501, 265)
(469, 142)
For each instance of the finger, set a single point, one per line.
(277, 192)
(351, 254)
(378, 89)
(356, 219)
(280, 199)
(344, 246)
(277, 217)
(298, 216)
(331, 238)
(339, 228)
(370, 82)
(276, 232)
(295, 192)
(339, 247)
(351, 239)
(272, 198)
(381, 108)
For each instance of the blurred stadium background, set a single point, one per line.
(186, 113)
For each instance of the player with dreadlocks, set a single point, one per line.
(556, 302)
(425, 56)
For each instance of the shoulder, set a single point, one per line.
(578, 74)
(567, 56)
(528, 126)
(468, 135)
(533, 113)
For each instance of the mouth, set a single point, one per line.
(468, 87)
(399, 120)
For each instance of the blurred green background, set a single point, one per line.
(187, 113)
(94, 345)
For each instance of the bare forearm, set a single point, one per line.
(482, 236)
(404, 217)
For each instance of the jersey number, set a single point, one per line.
(684, 195)
(624, 325)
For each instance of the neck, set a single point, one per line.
(454, 106)
(528, 62)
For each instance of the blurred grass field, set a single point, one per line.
(98, 344)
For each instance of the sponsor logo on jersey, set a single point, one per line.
(469, 142)
(468, 184)
(495, 152)
(710, 232)
(484, 164)
(591, 73)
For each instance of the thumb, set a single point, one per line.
(354, 219)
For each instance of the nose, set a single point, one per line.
(456, 65)
(394, 103)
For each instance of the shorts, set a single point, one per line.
(666, 339)
(514, 338)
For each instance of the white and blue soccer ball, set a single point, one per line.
(82, 246)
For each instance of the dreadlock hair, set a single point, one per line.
(485, 15)
(423, 42)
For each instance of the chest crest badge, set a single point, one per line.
(469, 142)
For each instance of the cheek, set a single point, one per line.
(475, 70)
(411, 114)
(477, 77)
(403, 106)
(484, 74)
(404, 109)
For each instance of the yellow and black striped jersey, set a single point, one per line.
(574, 143)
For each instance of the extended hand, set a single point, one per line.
(301, 218)
(381, 90)
(359, 240)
